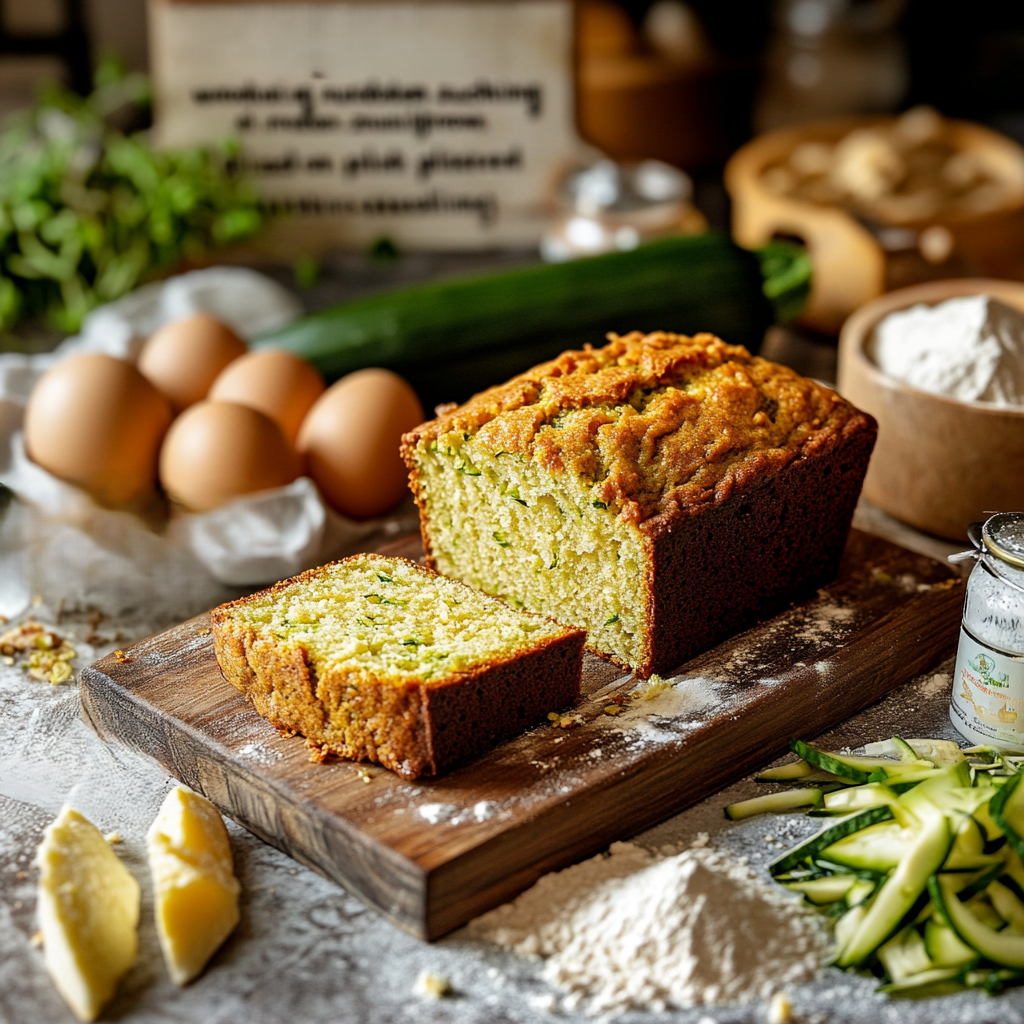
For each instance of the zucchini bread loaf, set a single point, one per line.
(662, 492)
(379, 659)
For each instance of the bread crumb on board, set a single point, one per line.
(780, 1009)
(432, 986)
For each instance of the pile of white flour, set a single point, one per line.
(629, 929)
(969, 348)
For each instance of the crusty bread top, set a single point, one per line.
(656, 422)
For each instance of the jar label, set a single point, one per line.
(987, 705)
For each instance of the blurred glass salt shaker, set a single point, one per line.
(610, 207)
(987, 703)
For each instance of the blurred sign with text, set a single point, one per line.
(435, 124)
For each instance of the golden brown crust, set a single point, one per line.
(658, 423)
(741, 475)
(396, 722)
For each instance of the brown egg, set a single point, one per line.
(95, 421)
(183, 358)
(351, 439)
(277, 383)
(216, 451)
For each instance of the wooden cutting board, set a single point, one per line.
(434, 853)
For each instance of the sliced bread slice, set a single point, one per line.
(375, 658)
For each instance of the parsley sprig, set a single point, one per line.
(88, 212)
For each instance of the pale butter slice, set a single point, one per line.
(88, 913)
(193, 880)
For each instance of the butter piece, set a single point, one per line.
(88, 913)
(193, 880)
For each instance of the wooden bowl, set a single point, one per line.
(851, 264)
(939, 463)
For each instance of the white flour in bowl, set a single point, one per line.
(970, 348)
(630, 929)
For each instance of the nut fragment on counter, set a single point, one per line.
(42, 653)
(432, 986)
(780, 1009)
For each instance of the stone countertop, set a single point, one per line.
(306, 950)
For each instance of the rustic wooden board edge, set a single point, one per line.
(429, 903)
(371, 870)
(557, 839)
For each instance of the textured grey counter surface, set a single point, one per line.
(305, 950)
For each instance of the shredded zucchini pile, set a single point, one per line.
(921, 869)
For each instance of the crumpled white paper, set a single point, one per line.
(57, 542)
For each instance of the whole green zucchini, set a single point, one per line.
(453, 337)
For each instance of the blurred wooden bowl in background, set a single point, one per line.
(939, 463)
(857, 258)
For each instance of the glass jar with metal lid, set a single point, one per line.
(987, 704)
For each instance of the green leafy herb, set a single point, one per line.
(613, 619)
(501, 538)
(307, 272)
(384, 578)
(599, 504)
(87, 212)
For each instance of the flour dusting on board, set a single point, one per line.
(818, 621)
(436, 813)
(630, 929)
(658, 710)
(259, 753)
(804, 630)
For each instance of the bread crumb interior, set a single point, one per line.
(391, 618)
(541, 542)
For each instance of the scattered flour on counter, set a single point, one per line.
(969, 348)
(936, 683)
(629, 930)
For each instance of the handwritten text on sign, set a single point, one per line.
(435, 124)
